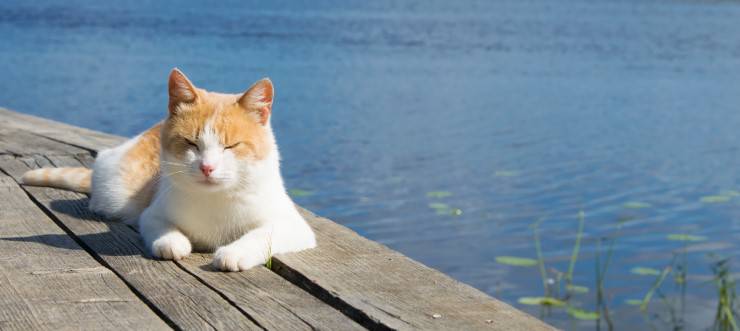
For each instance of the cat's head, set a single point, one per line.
(213, 141)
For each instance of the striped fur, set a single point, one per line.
(75, 179)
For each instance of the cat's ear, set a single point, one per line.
(181, 90)
(258, 98)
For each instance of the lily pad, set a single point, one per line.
(643, 271)
(439, 194)
(685, 237)
(577, 289)
(438, 205)
(541, 301)
(296, 193)
(715, 198)
(516, 261)
(633, 302)
(583, 314)
(636, 205)
(506, 173)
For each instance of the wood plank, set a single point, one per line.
(47, 281)
(20, 142)
(175, 293)
(273, 302)
(73, 135)
(383, 289)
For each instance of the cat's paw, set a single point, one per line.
(171, 246)
(232, 258)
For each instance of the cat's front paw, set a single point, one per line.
(232, 258)
(171, 246)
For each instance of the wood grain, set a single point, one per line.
(175, 293)
(47, 281)
(72, 135)
(383, 289)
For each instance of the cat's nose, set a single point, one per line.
(206, 169)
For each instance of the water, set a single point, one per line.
(521, 109)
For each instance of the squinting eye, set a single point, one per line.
(232, 146)
(192, 144)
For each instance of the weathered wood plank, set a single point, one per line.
(21, 142)
(73, 135)
(183, 299)
(272, 301)
(386, 290)
(47, 281)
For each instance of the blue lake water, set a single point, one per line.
(521, 110)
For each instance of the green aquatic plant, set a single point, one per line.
(297, 193)
(516, 261)
(583, 315)
(715, 198)
(658, 281)
(643, 271)
(439, 194)
(540, 257)
(541, 301)
(685, 237)
(636, 205)
(445, 209)
(725, 317)
(576, 248)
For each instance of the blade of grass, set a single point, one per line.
(576, 248)
(656, 284)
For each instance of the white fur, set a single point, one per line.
(242, 211)
(109, 196)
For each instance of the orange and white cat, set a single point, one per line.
(206, 178)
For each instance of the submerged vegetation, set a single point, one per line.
(660, 303)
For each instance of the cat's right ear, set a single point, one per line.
(181, 90)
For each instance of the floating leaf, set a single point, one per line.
(582, 314)
(633, 302)
(685, 237)
(516, 261)
(577, 289)
(295, 192)
(506, 173)
(438, 194)
(715, 198)
(438, 205)
(541, 301)
(456, 212)
(643, 271)
(636, 205)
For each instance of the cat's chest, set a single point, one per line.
(210, 223)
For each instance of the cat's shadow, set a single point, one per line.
(103, 237)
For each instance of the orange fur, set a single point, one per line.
(140, 167)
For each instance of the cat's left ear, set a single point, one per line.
(258, 98)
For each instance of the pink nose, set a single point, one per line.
(206, 169)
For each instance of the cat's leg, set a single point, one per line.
(259, 244)
(162, 238)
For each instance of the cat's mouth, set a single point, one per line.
(209, 182)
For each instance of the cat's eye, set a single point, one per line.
(192, 144)
(232, 146)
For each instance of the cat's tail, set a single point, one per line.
(77, 179)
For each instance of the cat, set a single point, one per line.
(206, 178)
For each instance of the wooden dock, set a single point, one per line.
(61, 267)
